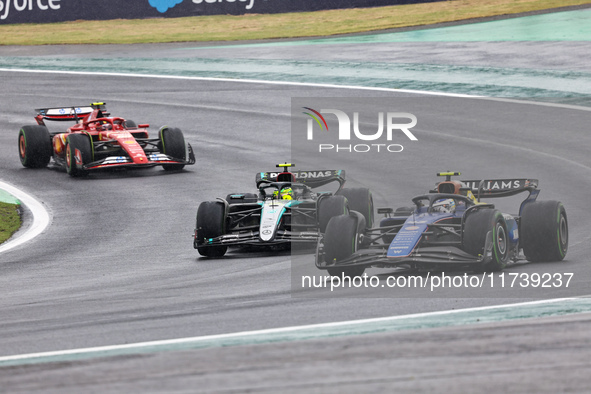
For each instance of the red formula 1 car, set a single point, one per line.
(98, 141)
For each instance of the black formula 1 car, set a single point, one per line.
(98, 141)
(449, 227)
(287, 208)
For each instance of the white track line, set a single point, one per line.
(41, 217)
(317, 85)
(315, 329)
(212, 79)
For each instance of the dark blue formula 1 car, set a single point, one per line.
(449, 227)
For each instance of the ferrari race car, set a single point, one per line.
(287, 208)
(97, 141)
(449, 227)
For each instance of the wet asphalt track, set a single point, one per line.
(117, 265)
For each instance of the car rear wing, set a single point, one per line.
(505, 187)
(312, 179)
(63, 113)
(500, 187)
(74, 113)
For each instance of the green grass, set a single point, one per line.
(10, 220)
(259, 26)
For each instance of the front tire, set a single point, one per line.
(360, 200)
(211, 223)
(34, 146)
(544, 231)
(130, 124)
(476, 228)
(340, 242)
(329, 207)
(173, 145)
(78, 152)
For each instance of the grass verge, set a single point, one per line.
(267, 26)
(10, 220)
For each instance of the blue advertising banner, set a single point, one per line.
(47, 11)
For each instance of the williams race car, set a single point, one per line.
(449, 227)
(287, 208)
(97, 141)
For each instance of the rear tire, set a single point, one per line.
(340, 242)
(34, 146)
(173, 144)
(476, 227)
(329, 207)
(83, 144)
(360, 200)
(544, 231)
(129, 124)
(211, 223)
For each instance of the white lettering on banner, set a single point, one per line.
(20, 7)
(248, 6)
(27, 5)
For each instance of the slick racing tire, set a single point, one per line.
(340, 242)
(211, 223)
(130, 124)
(34, 146)
(81, 145)
(329, 207)
(173, 145)
(544, 231)
(360, 200)
(476, 227)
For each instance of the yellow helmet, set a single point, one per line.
(286, 193)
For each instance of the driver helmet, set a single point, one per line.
(283, 194)
(105, 126)
(444, 205)
(286, 193)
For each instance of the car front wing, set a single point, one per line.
(422, 257)
(253, 238)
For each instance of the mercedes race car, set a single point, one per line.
(287, 208)
(98, 141)
(449, 227)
